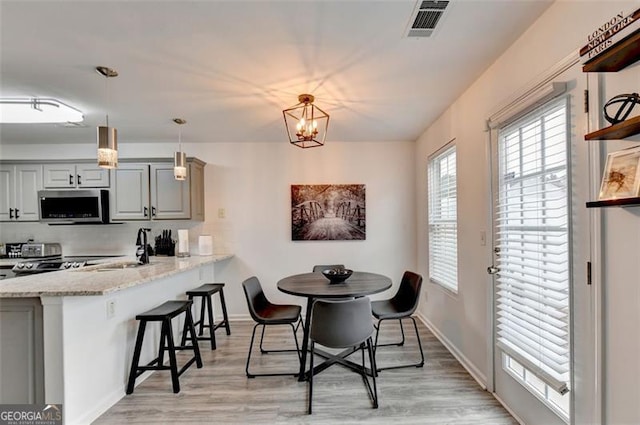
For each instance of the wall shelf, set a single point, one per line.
(624, 202)
(618, 131)
(617, 57)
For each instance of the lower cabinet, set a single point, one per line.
(21, 351)
(149, 191)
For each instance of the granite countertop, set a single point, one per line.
(100, 280)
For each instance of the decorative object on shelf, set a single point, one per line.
(306, 123)
(612, 31)
(621, 178)
(337, 275)
(37, 110)
(180, 158)
(107, 136)
(626, 104)
(328, 212)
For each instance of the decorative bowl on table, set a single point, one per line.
(337, 275)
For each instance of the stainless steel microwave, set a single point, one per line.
(74, 206)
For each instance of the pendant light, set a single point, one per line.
(180, 158)
(306, 123)
(107, 136)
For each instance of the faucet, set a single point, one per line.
(141, 253)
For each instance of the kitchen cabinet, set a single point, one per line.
(71, 176)
(149, 191)
(19, 195)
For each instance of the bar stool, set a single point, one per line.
(164, 313)
(206, 291)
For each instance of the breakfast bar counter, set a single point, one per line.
(102, 279)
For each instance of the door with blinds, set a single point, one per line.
(536, 262)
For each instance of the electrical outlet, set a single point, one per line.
(111, 309)
(483, 238)
(221, 213)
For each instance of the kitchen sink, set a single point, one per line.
(123, 265)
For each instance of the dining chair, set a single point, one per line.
(401, 306)
(320, 267)
(342, 324)
(265, 313)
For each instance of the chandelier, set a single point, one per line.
(306, 123)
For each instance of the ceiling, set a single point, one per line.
(230, 67)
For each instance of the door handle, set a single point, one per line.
(78, 179)
(153, 211)
(17, 215)
(10, 212)
(146, 212)
(70, 179)
(493, 270)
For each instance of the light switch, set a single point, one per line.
(221, 213)
(483, 238)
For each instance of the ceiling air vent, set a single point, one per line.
(425, 17)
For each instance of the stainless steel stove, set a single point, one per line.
(39, 265)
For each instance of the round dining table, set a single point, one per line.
(315, 285)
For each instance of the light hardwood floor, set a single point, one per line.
(441, 392)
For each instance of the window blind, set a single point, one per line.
(532, 298)
(443, 225)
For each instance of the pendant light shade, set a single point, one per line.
(306, 123)
(107, 147)
(107, 136)
(180, 166)
(180, 158)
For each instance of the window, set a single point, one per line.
(443, 225)
(532, 299)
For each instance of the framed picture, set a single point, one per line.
(328, 212)
(621, 178)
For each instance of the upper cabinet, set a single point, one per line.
(149, 191)
(71, 176)
(19, 192)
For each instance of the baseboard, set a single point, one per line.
(511, 412)
(106, 403)
(480, 377)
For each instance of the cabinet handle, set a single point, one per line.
(10, 212)
(78, 180)
(70, 179)
(17, 215)
(146, 212)
(153, 211)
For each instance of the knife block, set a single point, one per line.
(165, 248)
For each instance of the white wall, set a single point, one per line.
(251, 181)
(463, 319)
